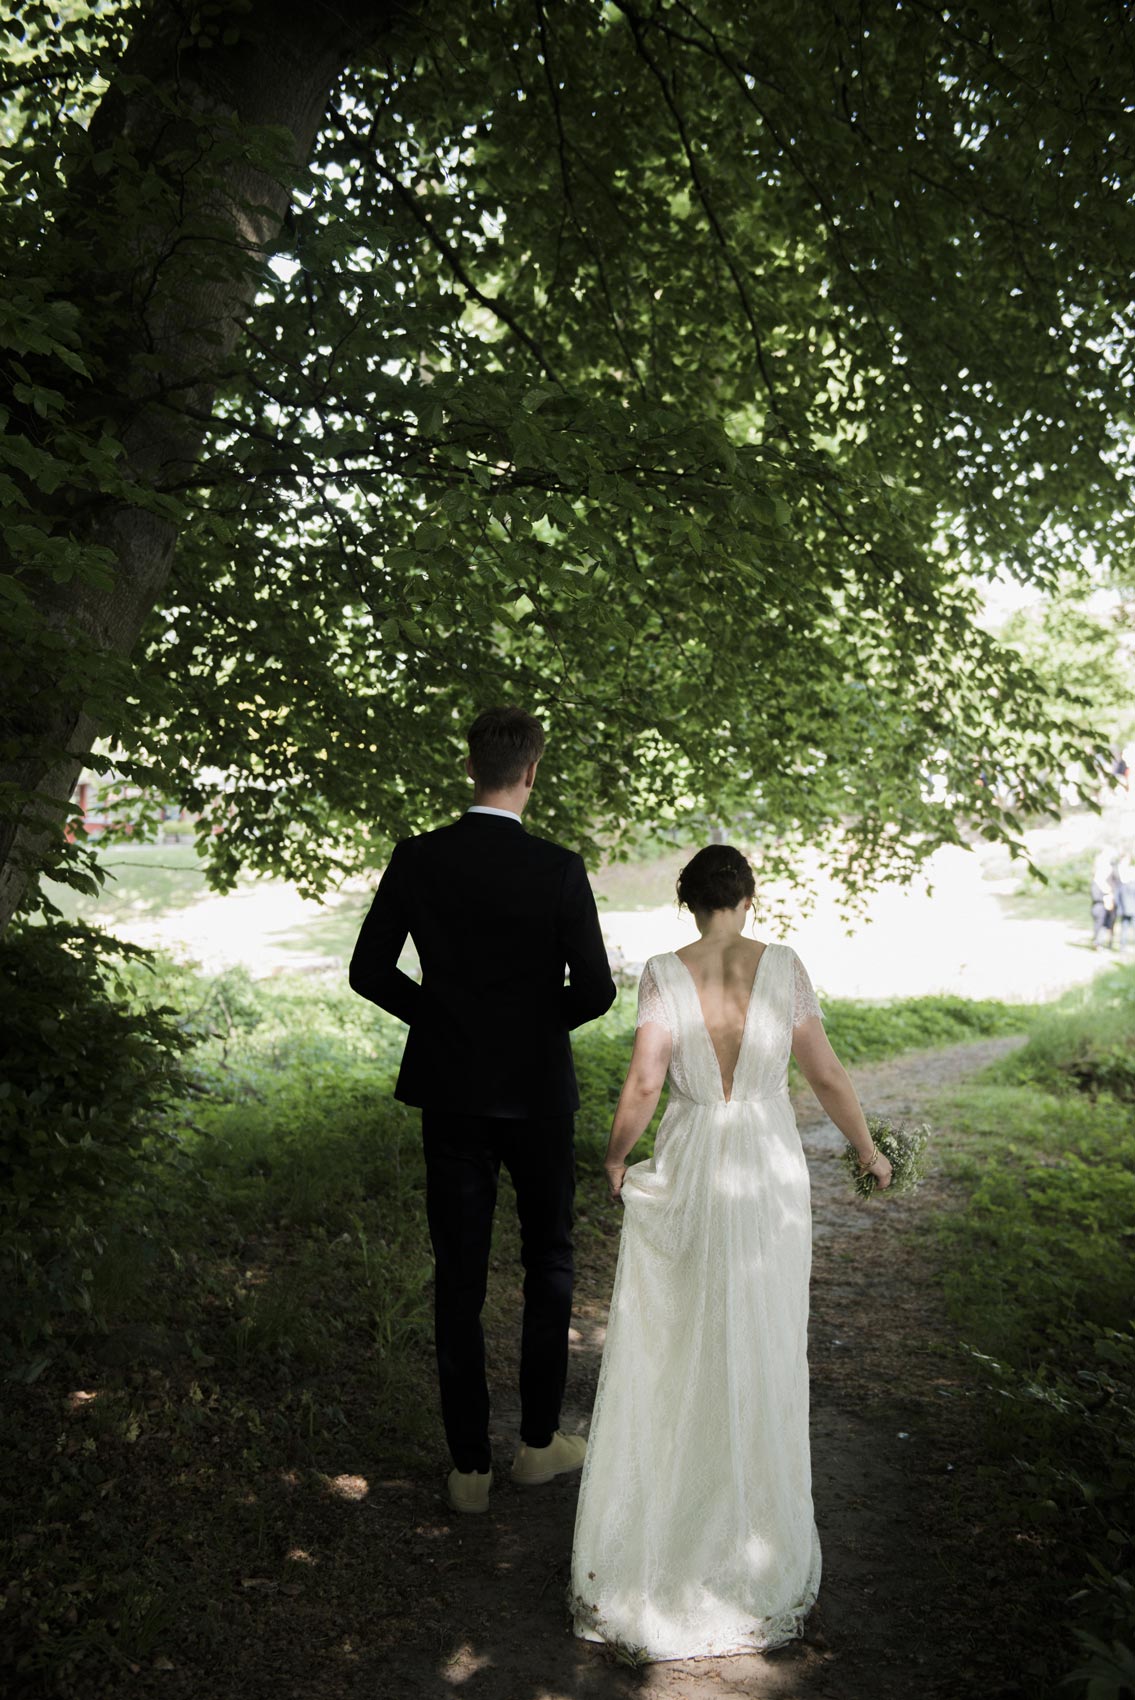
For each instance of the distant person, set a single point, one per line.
(497, 917)
(1123, 877)
(1103, 901)
(1128, 754)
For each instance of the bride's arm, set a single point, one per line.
(638, 1100)
(829, 1080)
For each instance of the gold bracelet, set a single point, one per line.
(865, 1163)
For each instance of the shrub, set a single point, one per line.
(88, 1066)
(866, 1032)
(1086, 1045)
(1040, 1273)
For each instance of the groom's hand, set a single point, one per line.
(614, 1173)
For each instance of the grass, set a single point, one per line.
(866, 1032)
(260, 1330)
(645, 882)
(1063, 894)
(332, 933)
(149, 880)
(259, 1337)
(258, 1342)
(142, 880)
(1040, 1268)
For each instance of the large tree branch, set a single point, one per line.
(492, 303)
(592, 247)
(639, 28)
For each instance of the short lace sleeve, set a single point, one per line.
(805, 1003)
(650, 1004)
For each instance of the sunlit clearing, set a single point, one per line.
(76, 1401)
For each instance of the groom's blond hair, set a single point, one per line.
(503, 743)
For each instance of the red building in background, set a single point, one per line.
(103, 806)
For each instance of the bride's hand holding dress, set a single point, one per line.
(638, 1100)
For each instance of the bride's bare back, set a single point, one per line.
(723, 972)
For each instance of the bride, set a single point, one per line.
(694, 1534)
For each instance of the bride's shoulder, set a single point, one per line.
(661, 969)
(783, 955)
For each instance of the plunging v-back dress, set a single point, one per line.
(695, 1535)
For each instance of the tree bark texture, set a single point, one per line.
(164, 297)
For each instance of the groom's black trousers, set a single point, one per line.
(463, 1159)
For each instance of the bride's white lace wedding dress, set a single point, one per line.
(694, 1534)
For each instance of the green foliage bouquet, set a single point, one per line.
(904, 1148)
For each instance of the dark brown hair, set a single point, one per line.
(502, 744)
(718, 877)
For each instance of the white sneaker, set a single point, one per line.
(535, 1464)
(469, 1489)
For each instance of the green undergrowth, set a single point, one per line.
(254, 1330)
(254, 1338)
(1041, 1275)
(868, 1032)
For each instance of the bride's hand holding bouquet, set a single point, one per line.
(896, 1161)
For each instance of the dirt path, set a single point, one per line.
(900, 1519)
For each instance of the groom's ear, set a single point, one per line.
(530, 774)
(469, 769)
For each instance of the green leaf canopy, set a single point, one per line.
(668, 368)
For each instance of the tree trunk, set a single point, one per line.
(163, 316)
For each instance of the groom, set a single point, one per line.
(496, 917)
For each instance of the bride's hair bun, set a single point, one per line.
(718, 877)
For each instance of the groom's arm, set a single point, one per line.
(591, 990)
(374, 972)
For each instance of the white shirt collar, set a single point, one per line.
(483, 809)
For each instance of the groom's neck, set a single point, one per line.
(513, 799)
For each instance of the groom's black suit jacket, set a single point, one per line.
(496, 916)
